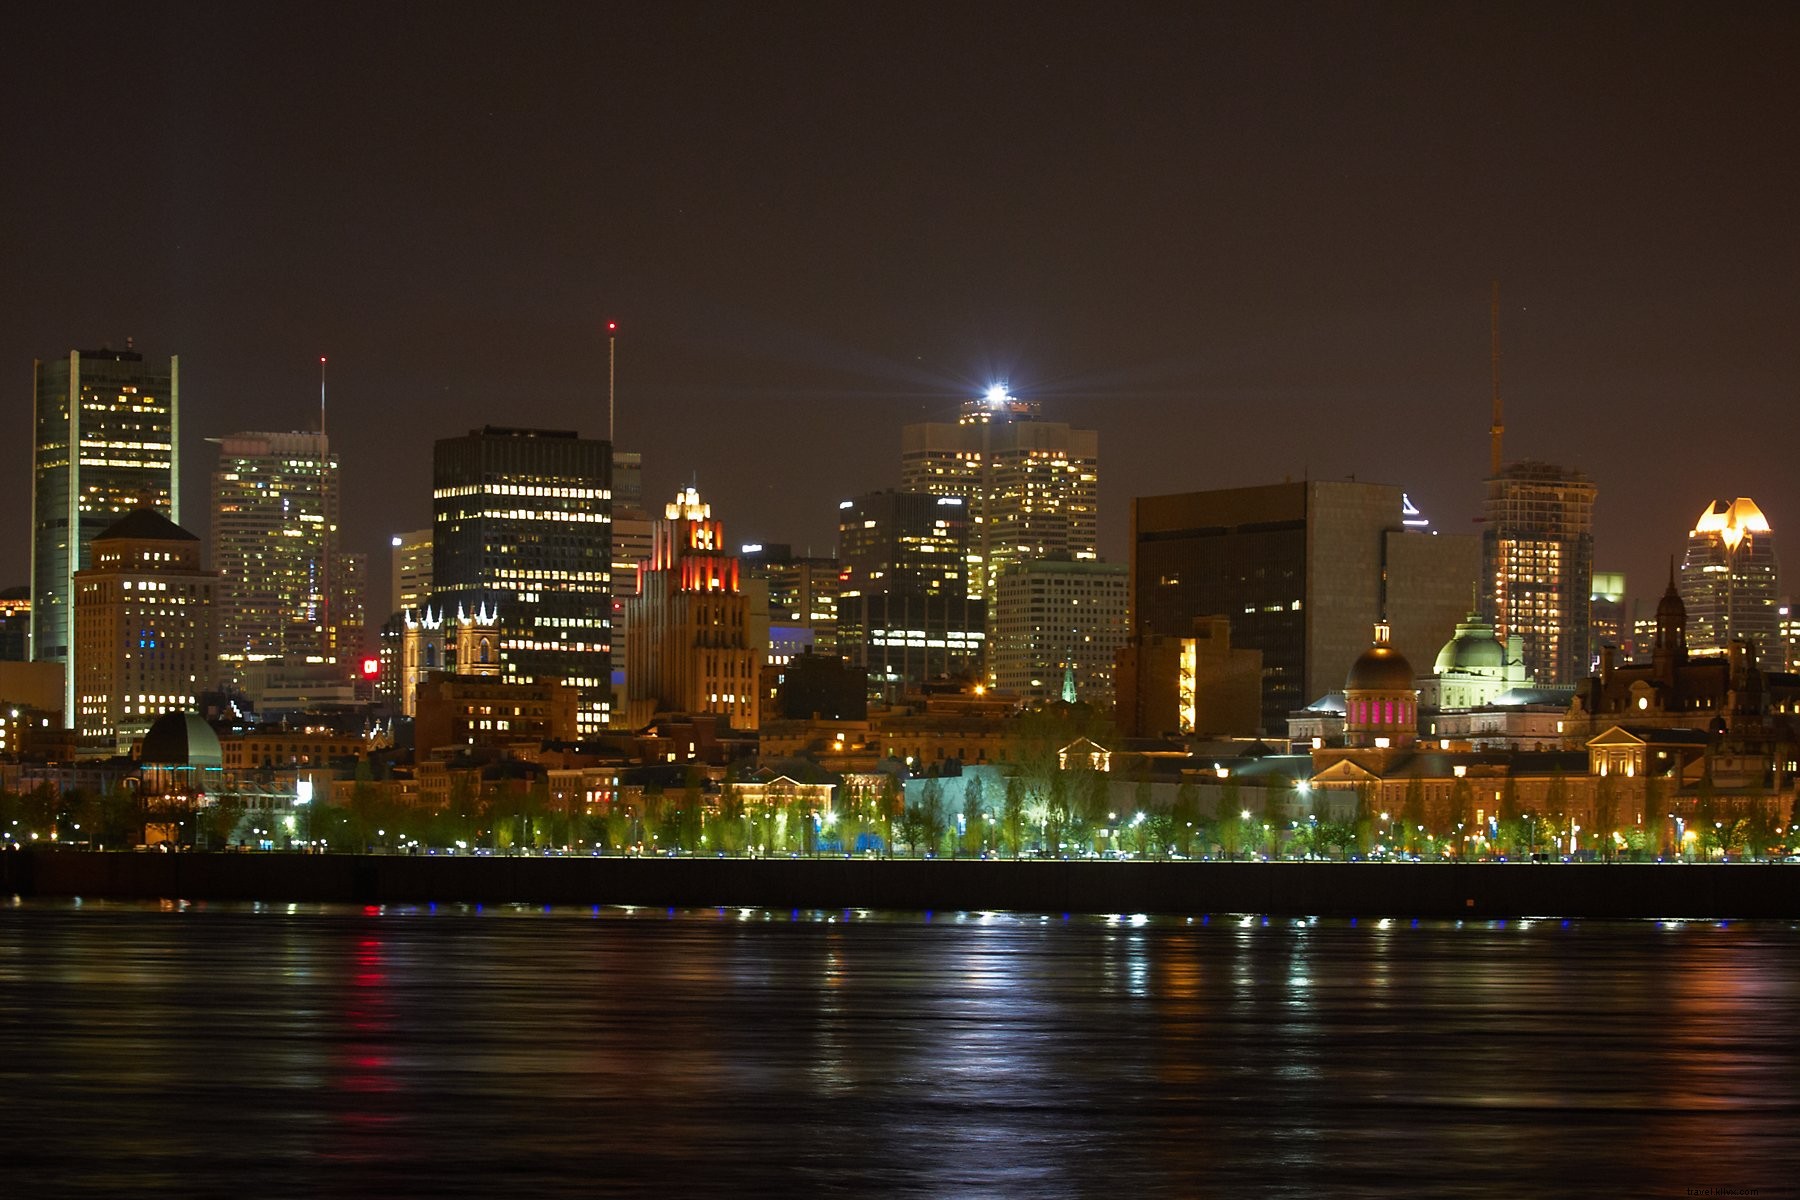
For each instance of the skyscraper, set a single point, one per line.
(105, 441)
(1302, 571)
(522, 525)
(631, 545)
(143, 628)
(908, 610)
(688, 648)
(1032, 486)
(1538, 565)
(275, 547)
(410, 570)
(1057, 622)
(1728, 582)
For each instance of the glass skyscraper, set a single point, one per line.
(1729, 584)
(522, 526)
(105, 434)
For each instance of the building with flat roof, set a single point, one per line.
(1057, 622)
(522, 527)
(1302, 571)
(106, 436)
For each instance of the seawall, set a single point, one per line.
(1442, 890)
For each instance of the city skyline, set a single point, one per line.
(1276, 230)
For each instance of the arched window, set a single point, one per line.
(484, 650)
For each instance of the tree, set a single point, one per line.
(890, 805)
(1412, 814)
(1656, 825)
(1362, 825)
(1509, 820)
(1606, 815)
(974, 816)
(1186, 819)
(1012, 814)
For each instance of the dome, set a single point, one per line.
(1473, 648)
(181, 739)
(1380, 668)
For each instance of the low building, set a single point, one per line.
(475, 710)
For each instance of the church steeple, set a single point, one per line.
(1671, 628)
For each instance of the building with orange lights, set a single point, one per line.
(688, 646)
(1728, 583)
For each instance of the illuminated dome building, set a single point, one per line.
(1728, 583)
(1381, 705)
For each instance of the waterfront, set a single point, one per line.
(281, 1049)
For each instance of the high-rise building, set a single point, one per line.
(908, 608)
(1609, 615)
(274, 545)
(1059, 626)
(631, 544)
(1538, 565)
(410, 570)
(106, 433)
(522, 527)
(798, 596)
(1789, 618)
(689, 647)
(1303, 571)
(1032, 486)
(143, 628)
(1728, 582)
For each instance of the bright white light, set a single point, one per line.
(998, 395)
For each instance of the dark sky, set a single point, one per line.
(1245, 241)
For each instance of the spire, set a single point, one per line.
(1498, 429)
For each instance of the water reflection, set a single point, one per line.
(461, 1051)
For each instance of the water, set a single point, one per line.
(278, 1050)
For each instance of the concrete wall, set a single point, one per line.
(1477, 891)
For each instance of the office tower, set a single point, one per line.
(793, 600)
(908, 611)
(631, 542)
(689, 647)
(409, 570)
(349, 609)
(274, 545)
(1538, 565)
(1609, 618)
(143, 628)
(122, 415)
(15, 624)
(522, 528)
(1788, 618)
(1303, 571)
(1058, 627)
(1728, 582)
(1032, 486)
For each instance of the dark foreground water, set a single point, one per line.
(279, 1050)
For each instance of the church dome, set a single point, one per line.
(179, 739)
(1380, 668)
(1473, 648)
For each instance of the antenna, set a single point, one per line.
(326, 639)
(1498, 429)
(612, 361)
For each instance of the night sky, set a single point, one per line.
(1246, 242)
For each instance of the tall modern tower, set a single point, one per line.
(1538, 565)
(1728, 582)
(522, 522)
(1033, 486)
(105, 442)
(275, 547)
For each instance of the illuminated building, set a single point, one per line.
(1032, 486)
(1301, 571)
(287, 592)
(473, 710)
(522, 525)
(15, 624)
(1052, 617)
(1538, 565)
(462, 643)
(631, 544)
(689, 647)
(143, 628)
(121, 418)
(1381, 704)
(907, 612)
(1609, 616)
(1198, 684)
(794, 602)
(410, 570)
(1728, 582)
(1789, 618)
